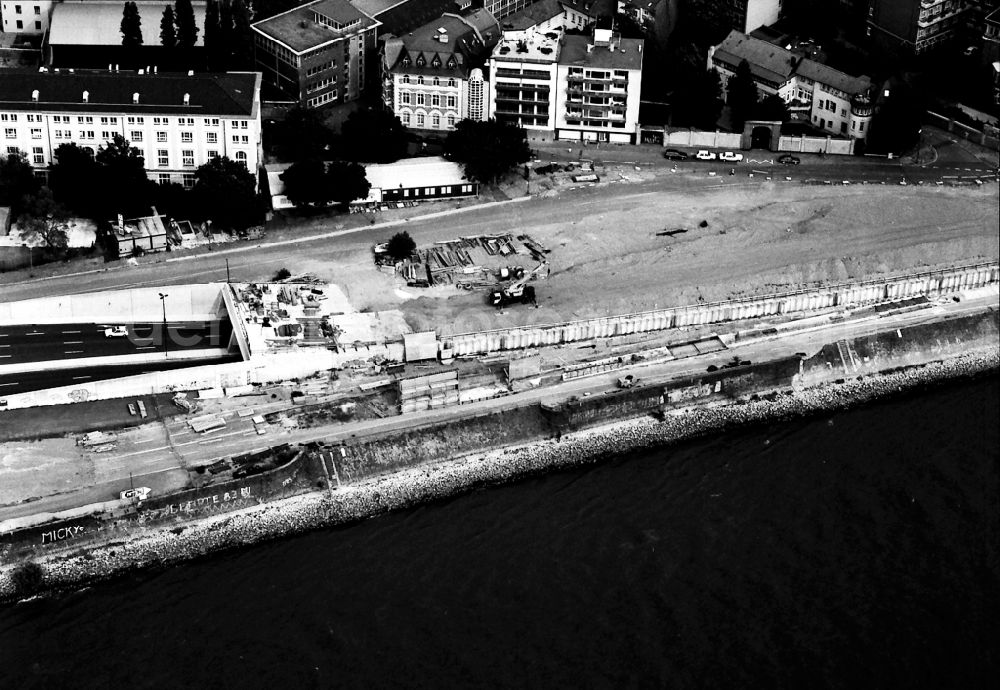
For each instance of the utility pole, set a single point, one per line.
(166, 338)
(227, 272)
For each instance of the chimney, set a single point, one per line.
(86, 96)
(34, 95)
(135, 97)
(187, 99)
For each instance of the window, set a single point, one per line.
(450, 119)
(211, 122)
(404, 98)
(420, 80)
(861, 127)
(106, 135)
(188, 180)
(34, 118)
(405, 119)
(420, 119)
(17, 9)
(38, 155)
(212, 153)
(136, 135)
(187, 137)
(436, 121)
(406, 79)
(136, 120)
(185, 121)
(244, 139)
(163, 158)
(38, 10)
(241, 157)
(88, 134)
(163, 178)
(243, 124)
(452, 83)
(843, 128)
(187, 158)
(84, 120)
(421, 98)
(13, 151)
(38, 26)
(161, 137)
(8, 117)
(452, 102)
(161, 121)
(212, 137)
(435, 100)
(20, 24)
(436, 81)
(10, 133)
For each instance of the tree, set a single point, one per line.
(43, 218)
(131, 26)
(17, 180)
(73, 179)
(773, 107)
(742, 95)
(211, 37)
(226, 194)
(187, 28)
(697, 101)
(488, 150)
(168, 33)
(306, 183)
(122, 175)
(374, 135)
(348, 182)
(225, 48)
(302, 134)
(401, 246)
(895, 127)
(242, 37)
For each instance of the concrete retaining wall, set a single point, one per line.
(846, 295)
(202, 302)
(843, 147)
(694, 137)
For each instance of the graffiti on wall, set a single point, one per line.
(61, 534)
(225, 501)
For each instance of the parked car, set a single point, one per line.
(705, 155)
(731, 157)
(674, 155)
(116, 332)
(789, 159)
(139, 493)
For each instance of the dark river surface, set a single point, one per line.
(853, 550)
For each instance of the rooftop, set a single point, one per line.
(415, 172)
(625, 54)
(542, 11)
(768, 62)
(296, 29)
(529, 46)
(468, 38)
(823, 74)
(99, 23)
(400, 16)
(229, 93)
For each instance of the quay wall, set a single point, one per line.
(843, 296)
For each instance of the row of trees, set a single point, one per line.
(228, 39)
(113, 182)
(745, 102)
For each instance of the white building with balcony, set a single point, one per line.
(178, 121)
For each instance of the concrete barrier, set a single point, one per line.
(843, 296)
(201, 302)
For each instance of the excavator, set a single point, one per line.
(517, 292)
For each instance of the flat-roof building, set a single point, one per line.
(318, 53)
(178, 121)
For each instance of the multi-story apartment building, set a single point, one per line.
(598, 81)
(317, 54)
(26, 16)
(915, 26)
(991, 37)
(574, 87)
(178, 121)
(740, 15)
(835, 102)
(432, 76)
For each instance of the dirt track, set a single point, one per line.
(758, 240)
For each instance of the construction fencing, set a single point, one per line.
(846, 295)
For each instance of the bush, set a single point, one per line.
(281, 274)
(27, 578)
(401, 246)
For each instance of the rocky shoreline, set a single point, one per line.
(174, 544)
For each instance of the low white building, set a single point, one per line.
(26, 16)
(178, 121)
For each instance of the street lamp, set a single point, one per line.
(166, 339)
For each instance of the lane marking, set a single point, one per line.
(16, 383)
(70, 331)
(146, 347)
(78, 378)
(74, 352)
(72, 342)
(38, 333)
(7, 356)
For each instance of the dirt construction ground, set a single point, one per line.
(757, 241)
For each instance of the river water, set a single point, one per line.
(853, 550)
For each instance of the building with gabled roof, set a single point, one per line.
(318, 53)
(432, 76)
(830, 100)
(178, 121)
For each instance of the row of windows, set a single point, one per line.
(322, 99)
(420, 120)
(20, 25)
(316, 69)
(320, 84)
(113, 121)
(434, 81)
(187, 157)
(136, 136)
(432, 99)
(17, 10)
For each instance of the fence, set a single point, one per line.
(842, 147)
(970, 133)
(694, 137)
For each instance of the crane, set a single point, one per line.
(518, 291)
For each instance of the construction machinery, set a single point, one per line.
(518, 292)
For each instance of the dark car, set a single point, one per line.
(789, 159)
(674, 155)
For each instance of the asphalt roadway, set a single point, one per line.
(156, 457)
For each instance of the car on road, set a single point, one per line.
(139, 493)
(731, 157)
(116, 332)
(789, 159)
(675, 155)
(705, 155)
